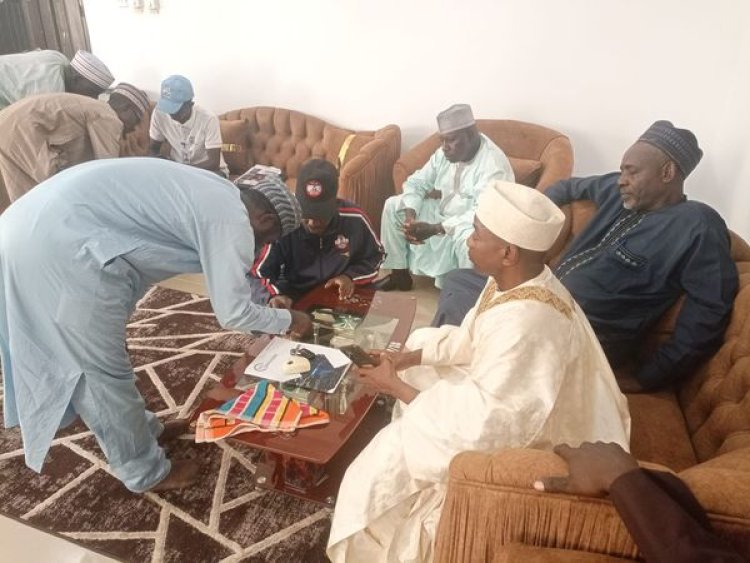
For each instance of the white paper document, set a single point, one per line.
(269, 364)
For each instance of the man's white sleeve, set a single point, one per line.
(213, 133)
(502, 399)
(154, 129)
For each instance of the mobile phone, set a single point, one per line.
(359, 356)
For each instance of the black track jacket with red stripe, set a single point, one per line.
(299, 261)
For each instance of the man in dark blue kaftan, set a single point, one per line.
(645, 246)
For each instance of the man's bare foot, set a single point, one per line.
(174, 429)
(184, 473)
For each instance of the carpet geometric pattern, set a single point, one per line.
(177, 350)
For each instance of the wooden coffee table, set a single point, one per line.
(311, 462)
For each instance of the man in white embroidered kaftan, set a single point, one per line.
(524, 370)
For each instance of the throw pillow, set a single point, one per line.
(235, 136)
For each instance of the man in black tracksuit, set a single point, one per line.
(334, 244)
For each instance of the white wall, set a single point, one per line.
(598, 70)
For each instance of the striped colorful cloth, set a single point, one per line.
(261, 408)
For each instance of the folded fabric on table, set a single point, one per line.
(261, 408)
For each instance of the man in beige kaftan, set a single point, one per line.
(523, 370)
(41, 135)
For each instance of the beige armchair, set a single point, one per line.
(539, 156)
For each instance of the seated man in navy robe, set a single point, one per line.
(644, 247)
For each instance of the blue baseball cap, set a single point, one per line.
(175, 91)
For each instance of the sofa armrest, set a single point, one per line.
(366, 177)
(413, 160)
(558, 162)
(490, 502)
(722, 485)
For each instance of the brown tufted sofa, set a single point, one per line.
(539, 156)
(285, 139)
(701, 430)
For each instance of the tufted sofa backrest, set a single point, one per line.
(286, 138)
(716, 399)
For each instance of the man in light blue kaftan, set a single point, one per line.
(78, 252)
(424, 230)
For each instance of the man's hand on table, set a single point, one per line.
(593, 467)
(301, 324)
(345, 285)
(280, 302)
(383, 379)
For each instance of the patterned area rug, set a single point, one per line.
(177, 349)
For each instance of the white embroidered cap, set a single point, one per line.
(520, 215)
(92, 69)
(458, 116)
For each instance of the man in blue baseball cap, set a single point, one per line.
(192, 132)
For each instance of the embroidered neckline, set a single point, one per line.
(488, 300)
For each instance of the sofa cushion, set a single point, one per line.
(235, 136)
(658, 431)
(526, 171)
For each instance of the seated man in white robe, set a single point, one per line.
(524, 370)
(424, 229)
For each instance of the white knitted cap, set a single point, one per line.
(456, 117)
(92, 69)
(520, 215)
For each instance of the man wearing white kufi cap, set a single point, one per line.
(424, 229)
(46, 72)
(41, 135)
(524, 370)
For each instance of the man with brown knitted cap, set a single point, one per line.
(77, 253)
(645, 246)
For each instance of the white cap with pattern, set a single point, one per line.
(456, 117)
(136, 96)
(92, 69)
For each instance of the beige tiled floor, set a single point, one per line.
(23, 544)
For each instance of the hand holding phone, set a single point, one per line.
(357, 355)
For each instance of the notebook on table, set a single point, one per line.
(327, 368)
